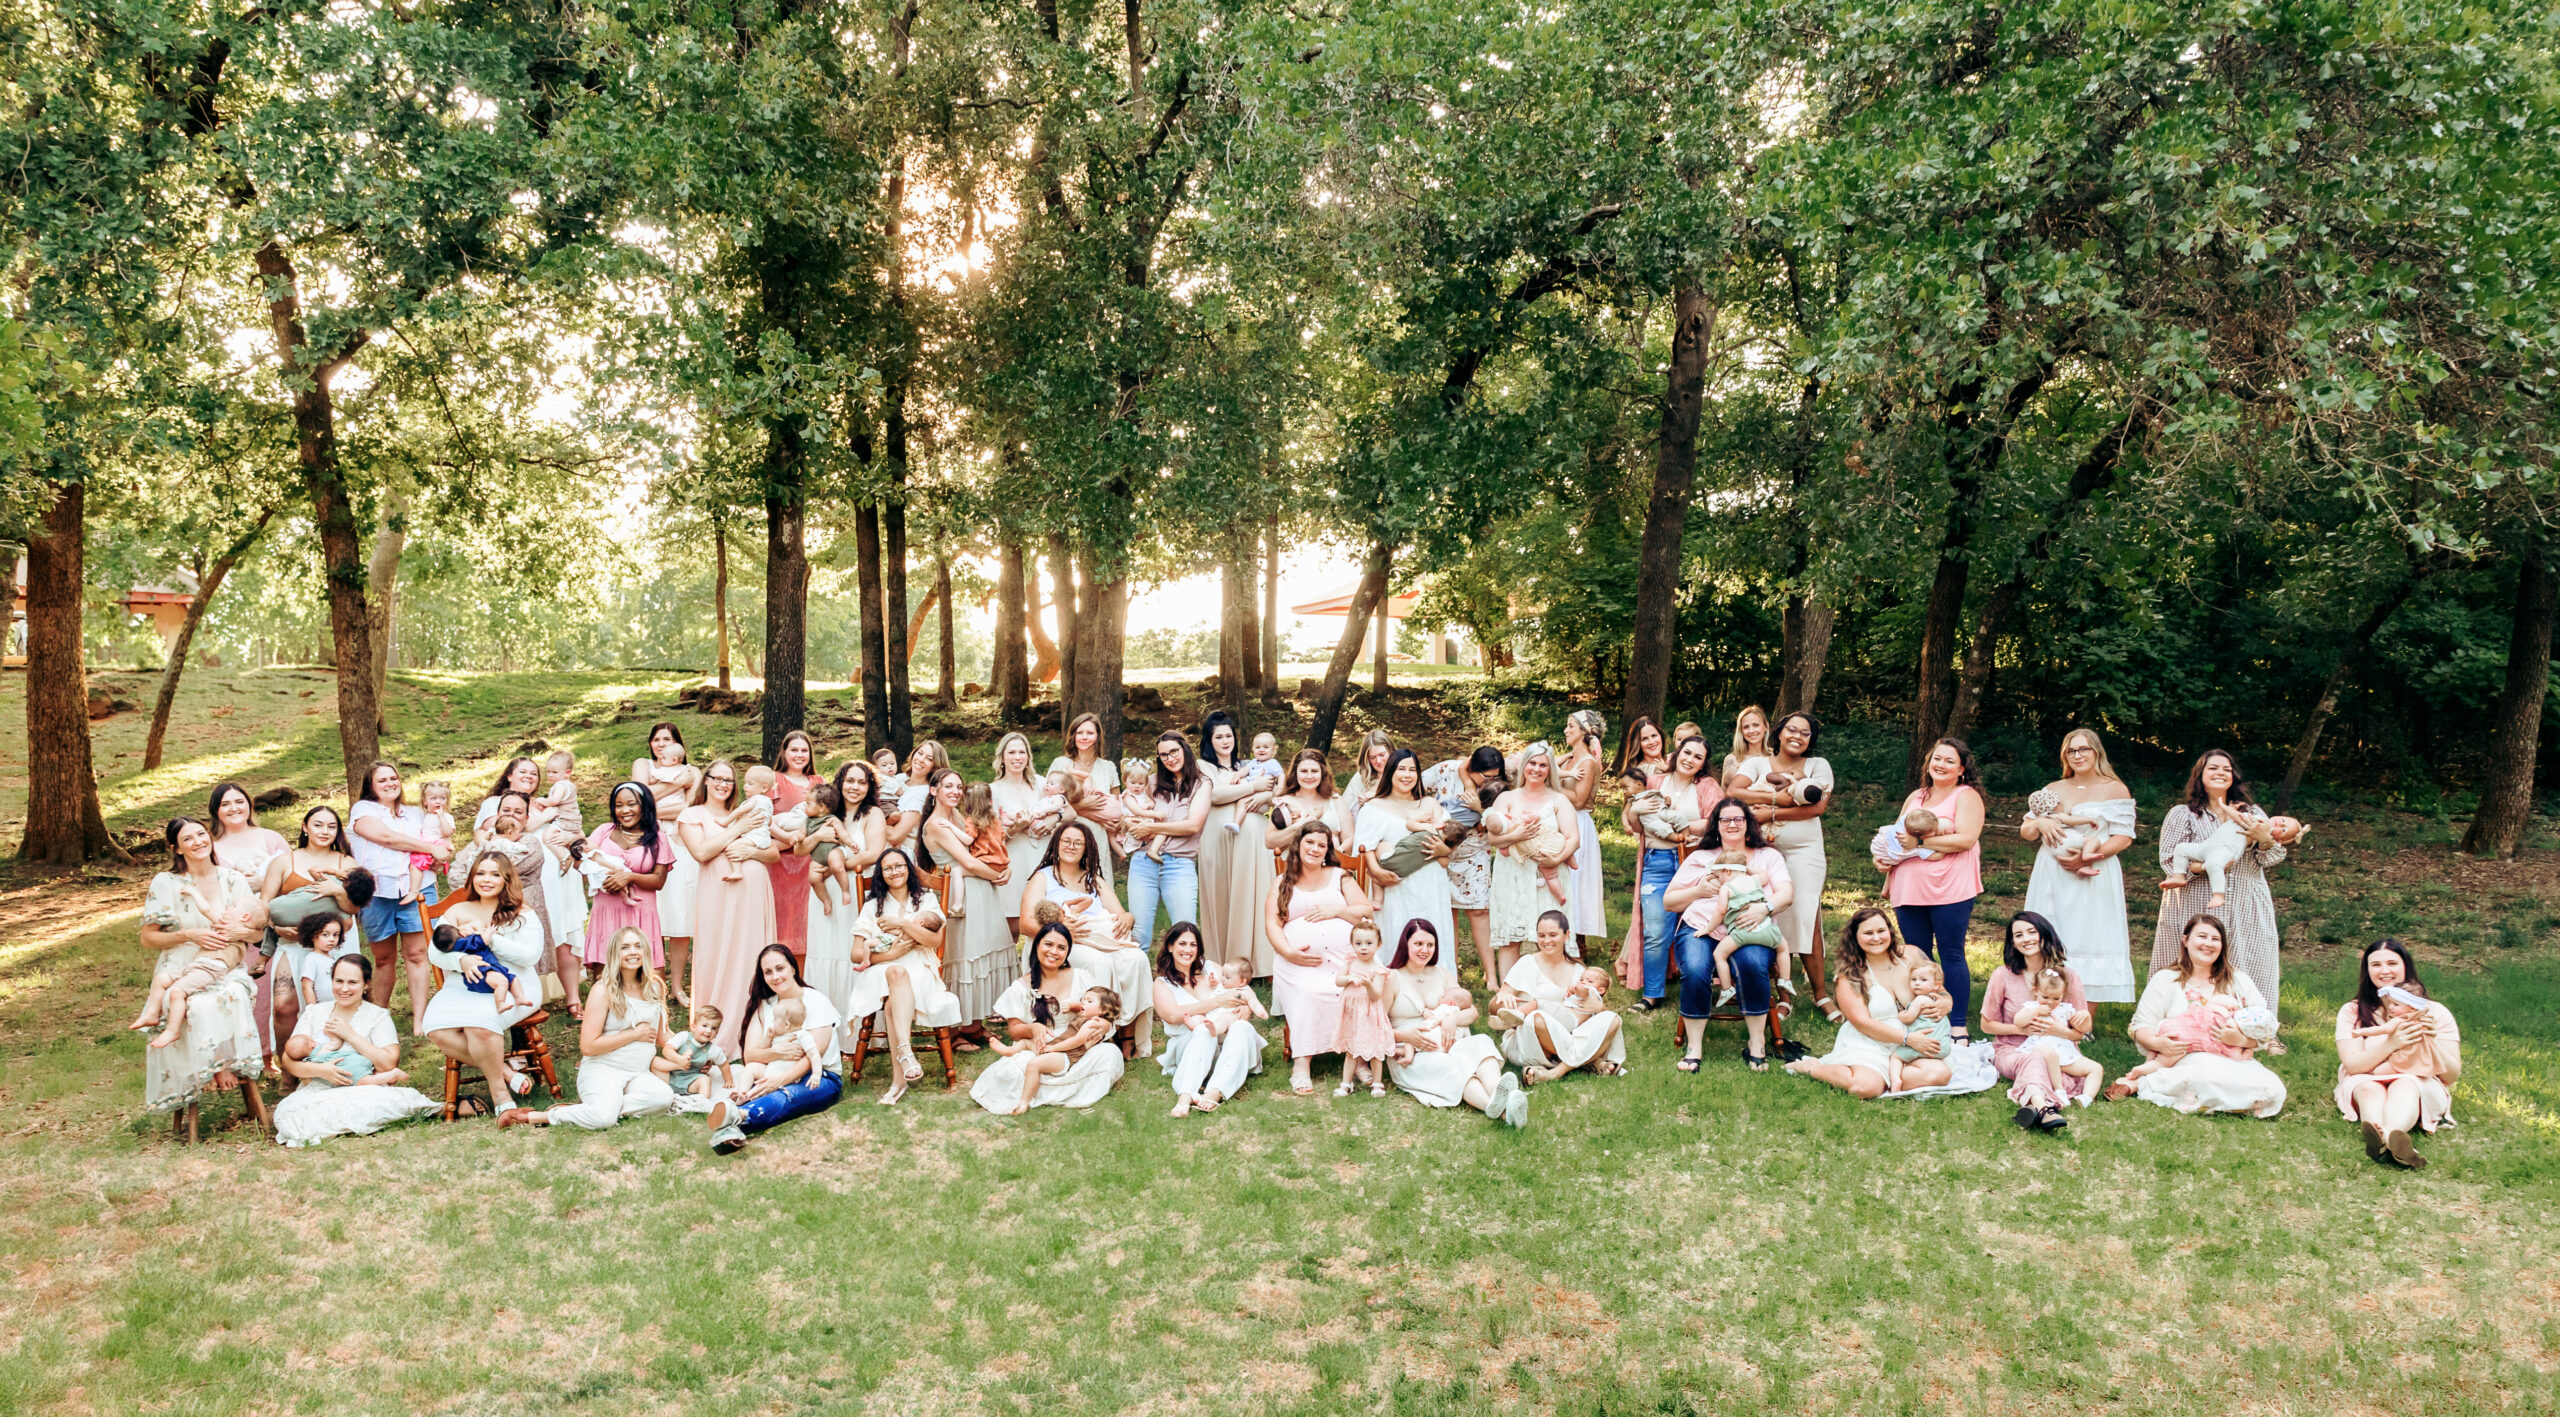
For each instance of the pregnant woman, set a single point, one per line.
(1314, 904)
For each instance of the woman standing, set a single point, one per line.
(2199, 1081)
(1641, 753)
(1093, 781)
(1310, 798)
(538, 841)
(1026, 837)
(1445, 1071)
(1314, 904)
(624, 1030)
(239, 843)
(193, 904)
(354, 1095)
(1206, 1068)
(671, 782)
(902, 927)
(2083, 895)
(1181, 796)
(2033, 946)
(1871, 990)
(1578, 777)
(862, 815)
(732, 903)
(1933, 898)
(1423, 895)
(1690, 786)
(1549, 1042)
(790, 871)
(2376, 1088)
(384, 831)
(464, 1024)
(317, 854)
(504, 832)
(1775, 786)
(1699, 925)
(794, 1084)
(1461, 788)
(980, 963)
(1369, 773)
(1215, 861)
(850, 802)
(1519, 895)
(637, 858)
(1234, 909)
(1070, 877)
(1750, 740)
(2217, 793)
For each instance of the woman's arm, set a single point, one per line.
(1171, 1009)
(1993, 995)
(1189, 825)
(1781, 887)
(1275, 931)
(385, 1057)
(1685, 888)
(868, 840)
(1968, 829)
(379, 829)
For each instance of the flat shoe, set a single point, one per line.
(1516, 1115)
(2025, 1117)
(2052, 1120)
(1687, 1065)
(2374, 1148)
(2403, 1152)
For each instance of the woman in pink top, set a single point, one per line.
(2037, 1088)
(1933, 895)
(1696, 898)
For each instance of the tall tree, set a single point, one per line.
(64, 824)
(2506, 798)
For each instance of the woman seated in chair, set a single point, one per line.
(1696, 899)
(898, 968)
(799, 1069)
(347, 1054)
(1070, 876)
(466, 1024)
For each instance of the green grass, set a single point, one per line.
(1710, 1244)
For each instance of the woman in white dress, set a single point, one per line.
(670, 780)
(1777, 786)
(1206, 1068)
(192, 904)
(1037, 1000)
(2383, 1086)
(347, 1096)
(1549, 1042)
(240, 844)
(1103, 948)
(1027, 829)
(1519, 894)
(2200, 1081)
(1578, 777)
(1871, 989)
(1219, 757)
(901, 928)
(1444, 1071)
(463, 1024)
(978, 958)
(557, 894)
(1092, 782)
(2083, 895)
(1369, 773)
(1424, 895)
(624, 1031)
(1050, 981)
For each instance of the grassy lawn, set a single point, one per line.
(1662, 1243)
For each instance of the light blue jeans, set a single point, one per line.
(1653, 874)
(1175, 881)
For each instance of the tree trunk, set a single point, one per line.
(786, 591)
(1976, 672)
(893, 583)
(1012, 674)
(868, 634)
(1249, 629)
(1062, 592)
(1378, 666)
(2506, 794)
(1666, 518)
(64, 825)
(1365, 601)
(1101, 629)
(1271, 609)
(208, 580)
(1044, 651)
(1813, 651)
(1235, 607)
(1938, 620)
(915, 622)
(2309, 744)
(948, 695)
(720, 588)
(382, 575)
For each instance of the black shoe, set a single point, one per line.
(2052, 1120)
(2026, 1117)
(2373, 1145)
(1646, 1006)
(1791, 1051)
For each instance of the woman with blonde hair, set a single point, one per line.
(1750, 740)
(732, 917)
(625, 1027)
(1027, 823)
(1578, 777)
(1368, 771)
(2080, 822)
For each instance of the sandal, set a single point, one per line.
(469, 1107)
(1377, 1089)
(1346, 1089)
(2119, 1090)
(1687, 1064)
(1756, 1062)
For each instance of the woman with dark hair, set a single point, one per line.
(238, 841)
(1696, 900)
(1181, 796)
(465, 1024)
(670, 777)
(636, 858)
(1871, 989)
(1050, 981)
(1555, 1035)
(2224, 1078)
(1314, 906)
(1220, 753)
(1399, 809)
(507, 833)
(2397, 1060)
(382, 830)
(1207, 1068)
(900, 931)
(534, 835)
(1464, 788)
(1642, 752)
(1306, 798)
(979, 962)
(346, 1051)
(794, 773)
(1070, 877)
(732, 901)
(1789, 789)
(1933, 896)
(1451, 1065)
(861, 815)
(2032, 948)
(802, 1072)
(1578, 776)
(319, 853)
(1690, 791)
(2216, 794)
(1092, 781)
(190, 906)
(1052, 986)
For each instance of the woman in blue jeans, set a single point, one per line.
(794, 1083)
(1697, 894)
(1182, 802)
(1690, 791)
(1933, 897)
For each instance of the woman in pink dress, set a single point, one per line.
(790, 872)
(637, 856)
(732, 918)
(1313, 906)
(1933, 896)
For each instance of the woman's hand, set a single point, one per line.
(1752, 917)
(335, 1030)
(1936, 1006)
(329, 1073)
(738, 850)
(2052, 1026)
(616, 881)
(2171, 1051)
(1926, 1045)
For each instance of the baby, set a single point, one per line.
(1588, 997)
(1546, 842)
(1927, 982)
(884, 771)
(2071, 843)
(2419, 1059)
(562, 798)
(1412, 851)
(692, 1061)
(1138, 804)
(987, 826)
(215, 959)
(343, 1056)
(789, 1039)
(326, 895)
(2217, 851)
(1084, 1023)
(1662, 815)
(1742, 890)
(2199, 1027)
(1897, 842)
(1233, 1001)
(2053, 1001)
(435, 800)
(1263, 771)
(755, 812)
(497, 981)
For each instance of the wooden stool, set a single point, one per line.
(871, 1027)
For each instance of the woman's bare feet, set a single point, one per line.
(1182, 1105)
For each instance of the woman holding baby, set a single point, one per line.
(1878, 1049)
(1669, 820)
(1070, 877)
(1210, 1043)
(1313, 907)
(193, 907)
(790, 1052)
(2081, 822)
(1534, 836)
(1788, 789)
(1439, 1056)
(733, 896)
(2218, 801)
(2399, 1055)
(2037, 1013)
(1091, 782)
(1029, 815)
(1402, 810)
(1555, 1011)
(2199, 1024)
(1933, 889)
(1729, 892)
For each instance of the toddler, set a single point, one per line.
(692, 1062)
(562, 799)
(2217, 851)
(1897, 842)
(830, 854)
(1663, 815)
(1086, 1022)
(497, 981)
(1263, 771)
(789, 1039)
(2069, 844)
(987, 826)
(326, 896)
(320, 943)
(1234, 1000)
(1363, 1033)
(2419, 1059)
(1138, 804)
(2053, 1001)
(1742, 890)
(1546, 842)
(755, 811)
(886, 773)
(2207, 1014)
(1927, 982)
(435, 800)
(214, 960)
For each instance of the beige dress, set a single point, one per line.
(1216, 865)
(1245, 892)
(222, 1021)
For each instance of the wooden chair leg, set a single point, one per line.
(861, 1051)
(452, 1088)
(257, 1104)
(950, 1066)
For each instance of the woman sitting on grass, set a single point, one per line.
(2032, 1041)
(2399, 1054)
(347, 1054)
(800, 1068)
(624, 1028)
(1872, 990)
(1211, 1045)
(1556, 1014)
(2199, 1025)
(1439, 1056)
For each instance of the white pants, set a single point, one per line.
(1200, 1063)
(606, 1095)
(2213, 853)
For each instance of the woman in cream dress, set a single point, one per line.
(1231, 911)
(1103, 948)
(1228, 789)
(1047, 989)
(625, 1027)
(1424, 895)
(1514, 820)
(189, 906)
(902, 927)
(978, 958)
(670, 780)
(464, 1024)
(2084, 896)
(1027, 836)
(1206, 1068)
(331, 1103)
(2198, 1081)
(1578, 777)
(1772, 785)
(1871, 988)
(1547, 1043)
(1444, 1072)
(1093, 782)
